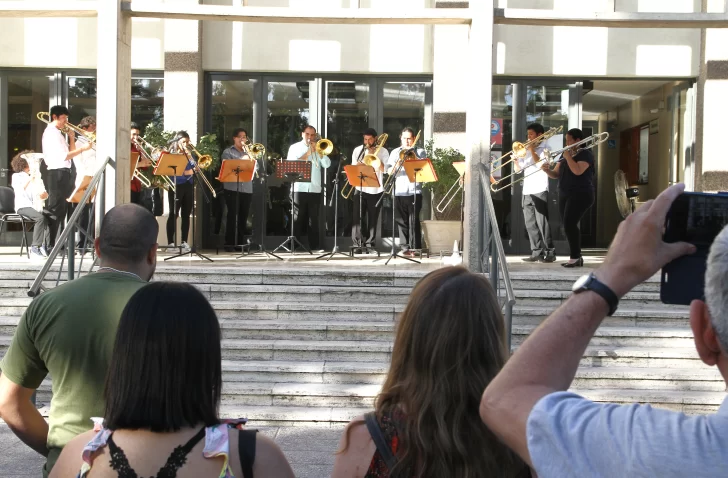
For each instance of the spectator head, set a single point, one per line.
(19, 163)
(57, 112)
(709, 319)
(128, 240)
(450, 344)
(165, 369)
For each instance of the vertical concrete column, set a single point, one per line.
(711, 169)
(478, 72)
(113, 100)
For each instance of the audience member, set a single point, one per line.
(450, 343)
(68, 332)
(562, 434)
(162, 397)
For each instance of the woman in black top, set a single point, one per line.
(575, 172)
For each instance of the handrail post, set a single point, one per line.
(70, 251)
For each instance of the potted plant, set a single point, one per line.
(441, 232)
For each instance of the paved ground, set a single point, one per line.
(309, 450)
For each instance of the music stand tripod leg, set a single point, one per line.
(193, 249)
(262, 248)
(335, 249)
(292, 238)
(394, 254)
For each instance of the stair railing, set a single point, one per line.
(66, 237)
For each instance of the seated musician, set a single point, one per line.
(30, 194)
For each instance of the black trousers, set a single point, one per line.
(245, 199)
(40, 229)
(407, 217)
(59, 187)
(306, 214)
(185, 201)
(370, 211)
(536, 216)
(84, 221)
(572, 207)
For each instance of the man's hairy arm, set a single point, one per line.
(21, 415)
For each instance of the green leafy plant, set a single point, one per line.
(207, 144)
(447, 175)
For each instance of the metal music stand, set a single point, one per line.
(237, 171)
(366, 176)
(168, 165)
(335, 250)
(294, 172)
(133, 162)
(419, 171)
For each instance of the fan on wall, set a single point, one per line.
(626, 194)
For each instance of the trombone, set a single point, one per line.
(520, 149)
(154, 152)
(82, 134)
(255, 150)
(323, 147)
(450, 195)
(405, 154)
(204, 161)
(370, 159)
(586, 143)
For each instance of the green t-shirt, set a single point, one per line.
(69, 332)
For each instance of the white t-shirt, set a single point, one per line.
(23, 197)
(55, 148)
(85, 165)
(537, 181)
(383, 156)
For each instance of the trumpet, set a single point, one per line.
(204, 161)
(586, 143)
(323, 147)
(152, 155)
(68, 127)
(405, 154)
(370, 159)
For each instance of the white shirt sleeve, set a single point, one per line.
(570, 436)
(55, 148)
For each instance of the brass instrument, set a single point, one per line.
(82, 134)
(323, 147)
(586, 143)
(255, 151)
(519, 151)
(405, 154)
(450, 195)
(36, 183)
(204, 161)
(370, 159)
(152, 155)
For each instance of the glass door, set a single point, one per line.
(682, 139)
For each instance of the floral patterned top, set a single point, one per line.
(388, 424)
(217, 444)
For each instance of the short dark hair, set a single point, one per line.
(57, 111)
(19, 163)
(536, 128)
(309, 126)
(87, 121)
(576, 134)
(165, 371)
(237, 131)
(135, 126)
(370, 132)
(128, 232)
(183, 134)
(409, 130)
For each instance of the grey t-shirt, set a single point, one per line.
(233, 153)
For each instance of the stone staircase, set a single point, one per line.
(300, 347)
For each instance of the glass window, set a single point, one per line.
(232, 107)
(501, 138)
(27, 95)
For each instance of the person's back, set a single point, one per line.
(449, 345)
(68, 333)
(162, 396)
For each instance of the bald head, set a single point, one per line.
(128, 233)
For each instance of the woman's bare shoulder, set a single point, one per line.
(69, 462)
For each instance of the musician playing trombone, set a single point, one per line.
(307, 195)
(139, 194)
(85, 166)
(181, 200)
(407, 209)
(58, 154)
(369, 196)
(237, 199)
(534, 200)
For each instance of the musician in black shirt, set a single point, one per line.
(575, 172)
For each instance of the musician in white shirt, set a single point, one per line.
(85, 166)
(368, 195)
(58, 155)
(29, 190)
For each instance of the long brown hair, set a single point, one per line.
(450, 344)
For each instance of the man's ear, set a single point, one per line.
(97, 248)
(706, 340)
(152, 254)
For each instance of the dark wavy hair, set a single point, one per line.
(19, 163)
(165, 370)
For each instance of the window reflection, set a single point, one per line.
(27, 95)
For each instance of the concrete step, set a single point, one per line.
(642, 357)
(306, 330)
(306, 350)
(304, 371)
(556, 297)
(626, 336)
(626, 315)
(538, 282)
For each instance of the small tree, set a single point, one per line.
(447, 175)
(207, 144)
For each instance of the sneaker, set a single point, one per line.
(549, 257)
(44, 251)
(171, 245)
(185, 247)
(531, 258)
(35, 253)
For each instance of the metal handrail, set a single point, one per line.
(498, 257)
(36, 287)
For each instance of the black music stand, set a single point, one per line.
(335, 249)
(263, 220)
(167, 165)
(294, 172)
(419, 171)
(366, 176)
(232, 170)
(393, 253)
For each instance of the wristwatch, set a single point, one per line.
(590, 282)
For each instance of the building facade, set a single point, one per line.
(656, 91)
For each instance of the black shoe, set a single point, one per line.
(547, 258)
(579, 263)
(229, 249)
(531, 258)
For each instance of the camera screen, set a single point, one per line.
(697, 218)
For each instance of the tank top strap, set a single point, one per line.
(217, 443)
